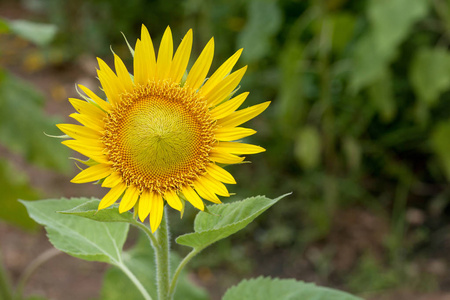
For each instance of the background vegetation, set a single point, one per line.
(358, 129)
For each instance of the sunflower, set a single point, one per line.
(162, 136)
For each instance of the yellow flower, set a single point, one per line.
(159, 138)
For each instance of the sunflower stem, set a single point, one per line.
(148, 232)
(162, 258)
(183, 263)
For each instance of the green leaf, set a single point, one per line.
(291, 104)
(308, 147)
(264, 21)
(343, 25)
(14, 185)
(90, 210)
(390, 24)
(430, 73)
(369, 63)
(4, 26)
(265, 288)
(38, 33)
(140, 260)
(440, 143)
(382, 98)
(224, 220)
(353, 152)
(23, 124)
(79, 237)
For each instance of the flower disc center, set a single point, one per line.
(159, 137)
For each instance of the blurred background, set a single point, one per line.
(358, 130)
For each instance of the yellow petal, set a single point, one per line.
(122, 74)
(200, 69)
(243, 115)
(140, 66)
(173, 200)
(193, 198)
(146, 57)
(93, 152)
(112, 180)
(204, 191)
(93, 173)
(88, 121)
(224, 89)
(112, 196)
(157, 211)
(221, 72)
(110, 83)
(87, 108)
(129, 199)
(220, 174)
(181, 58)
(214, 185)
(165, 53)
(238, 148)
(100, 102)
(232, 133)
(228, 107)
(145, 204)
(79, 132)
(224, 157)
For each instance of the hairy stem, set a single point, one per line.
(162, 258)
(177, 273)
(148, 232)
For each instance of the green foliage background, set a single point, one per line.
(360, 112)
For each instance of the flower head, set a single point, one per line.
(158, 138)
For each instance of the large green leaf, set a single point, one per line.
(90, 210)
(38, 33)
(79, 237)
(223, 220)
(13, 186)
(23, 124)
(430, 73)
(282, 289)
(140, 260)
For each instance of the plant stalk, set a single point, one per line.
(162, 258)
(177, 273)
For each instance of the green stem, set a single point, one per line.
(177, 273)
(148, 232)
(5, 287)
(162, 258)
(32, 267)
(136, 282)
